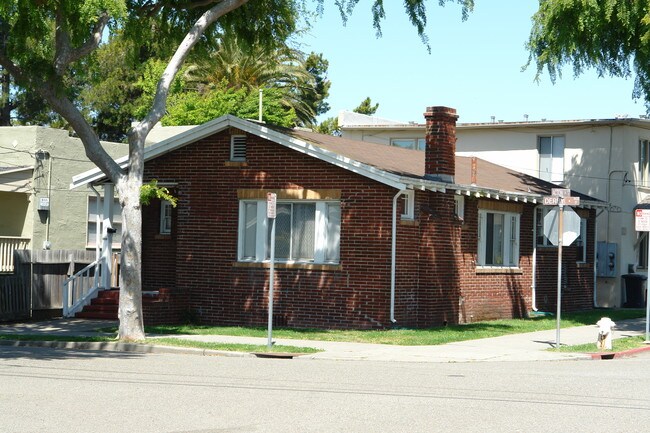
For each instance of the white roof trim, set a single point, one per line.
(16, 170)
(223, 122)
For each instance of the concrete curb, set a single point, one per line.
(621, 354)
(123, 347)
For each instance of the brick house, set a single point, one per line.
(367, 236)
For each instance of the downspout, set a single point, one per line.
(596, 261)
(393, 258)
(534, 283)
(46, 245)
(609, 171)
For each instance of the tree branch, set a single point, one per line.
(68, 110)
(65, 54)
(191, 39)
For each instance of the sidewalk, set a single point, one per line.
(517, 347)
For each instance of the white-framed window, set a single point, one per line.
(644, 159)
(459, 206)
(542, 241)
(498, 243)
(96, 207)
(238, 148)
(305, 231)
(551, 158)
(165, 217)
(408, 202)
(409, 143)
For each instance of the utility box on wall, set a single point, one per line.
(606, 260)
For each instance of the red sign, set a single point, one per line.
(642, 220)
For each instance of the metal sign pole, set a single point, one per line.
(271, 200)
(559, 274)
(647, 304)
(271, 278)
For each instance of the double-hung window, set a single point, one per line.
(165, 217)
(581, 242)
(551, 158)
(542, 240)
(305, 231)
(498, 243)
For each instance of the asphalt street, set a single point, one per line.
(56, 390)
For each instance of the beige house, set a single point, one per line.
(608, 159)
(37, 208)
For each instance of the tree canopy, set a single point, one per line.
(366, 107)
(611, 36)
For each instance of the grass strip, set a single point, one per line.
(178, 342)
(618, 345)
(411, 337)
(169, 341)
(50, 337)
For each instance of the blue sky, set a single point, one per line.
(474, 66)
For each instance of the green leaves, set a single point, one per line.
(194, 108)
(151, 190)
(611, 36)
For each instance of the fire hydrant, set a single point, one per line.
(605, 325)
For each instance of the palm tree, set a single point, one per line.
(234, 65)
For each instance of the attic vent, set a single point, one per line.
(238, 148)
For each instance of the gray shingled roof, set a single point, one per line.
(411, 163)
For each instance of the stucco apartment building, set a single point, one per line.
(37, 208)
(608, 159)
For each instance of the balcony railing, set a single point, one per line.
(8, 244)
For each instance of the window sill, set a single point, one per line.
(164, 236)
(235, 164)
(409, 222)
(309, 266)
(582, 265)
(498, 270)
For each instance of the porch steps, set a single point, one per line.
(103, 307)
(106, 304)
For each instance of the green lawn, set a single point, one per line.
(411, 337)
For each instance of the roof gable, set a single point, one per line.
(393, 166)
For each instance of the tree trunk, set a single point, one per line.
(5, 99)
(130, 309)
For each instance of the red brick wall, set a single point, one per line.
(440, 155)
(436, 274)
(577, 280)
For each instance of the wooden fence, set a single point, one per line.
(39, 276)
(14, 298)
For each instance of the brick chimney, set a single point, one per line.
(440, 154)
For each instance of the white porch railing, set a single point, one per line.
(81, 288)
(7, 246)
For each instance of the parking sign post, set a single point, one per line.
(271, 199)
(642, 224)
